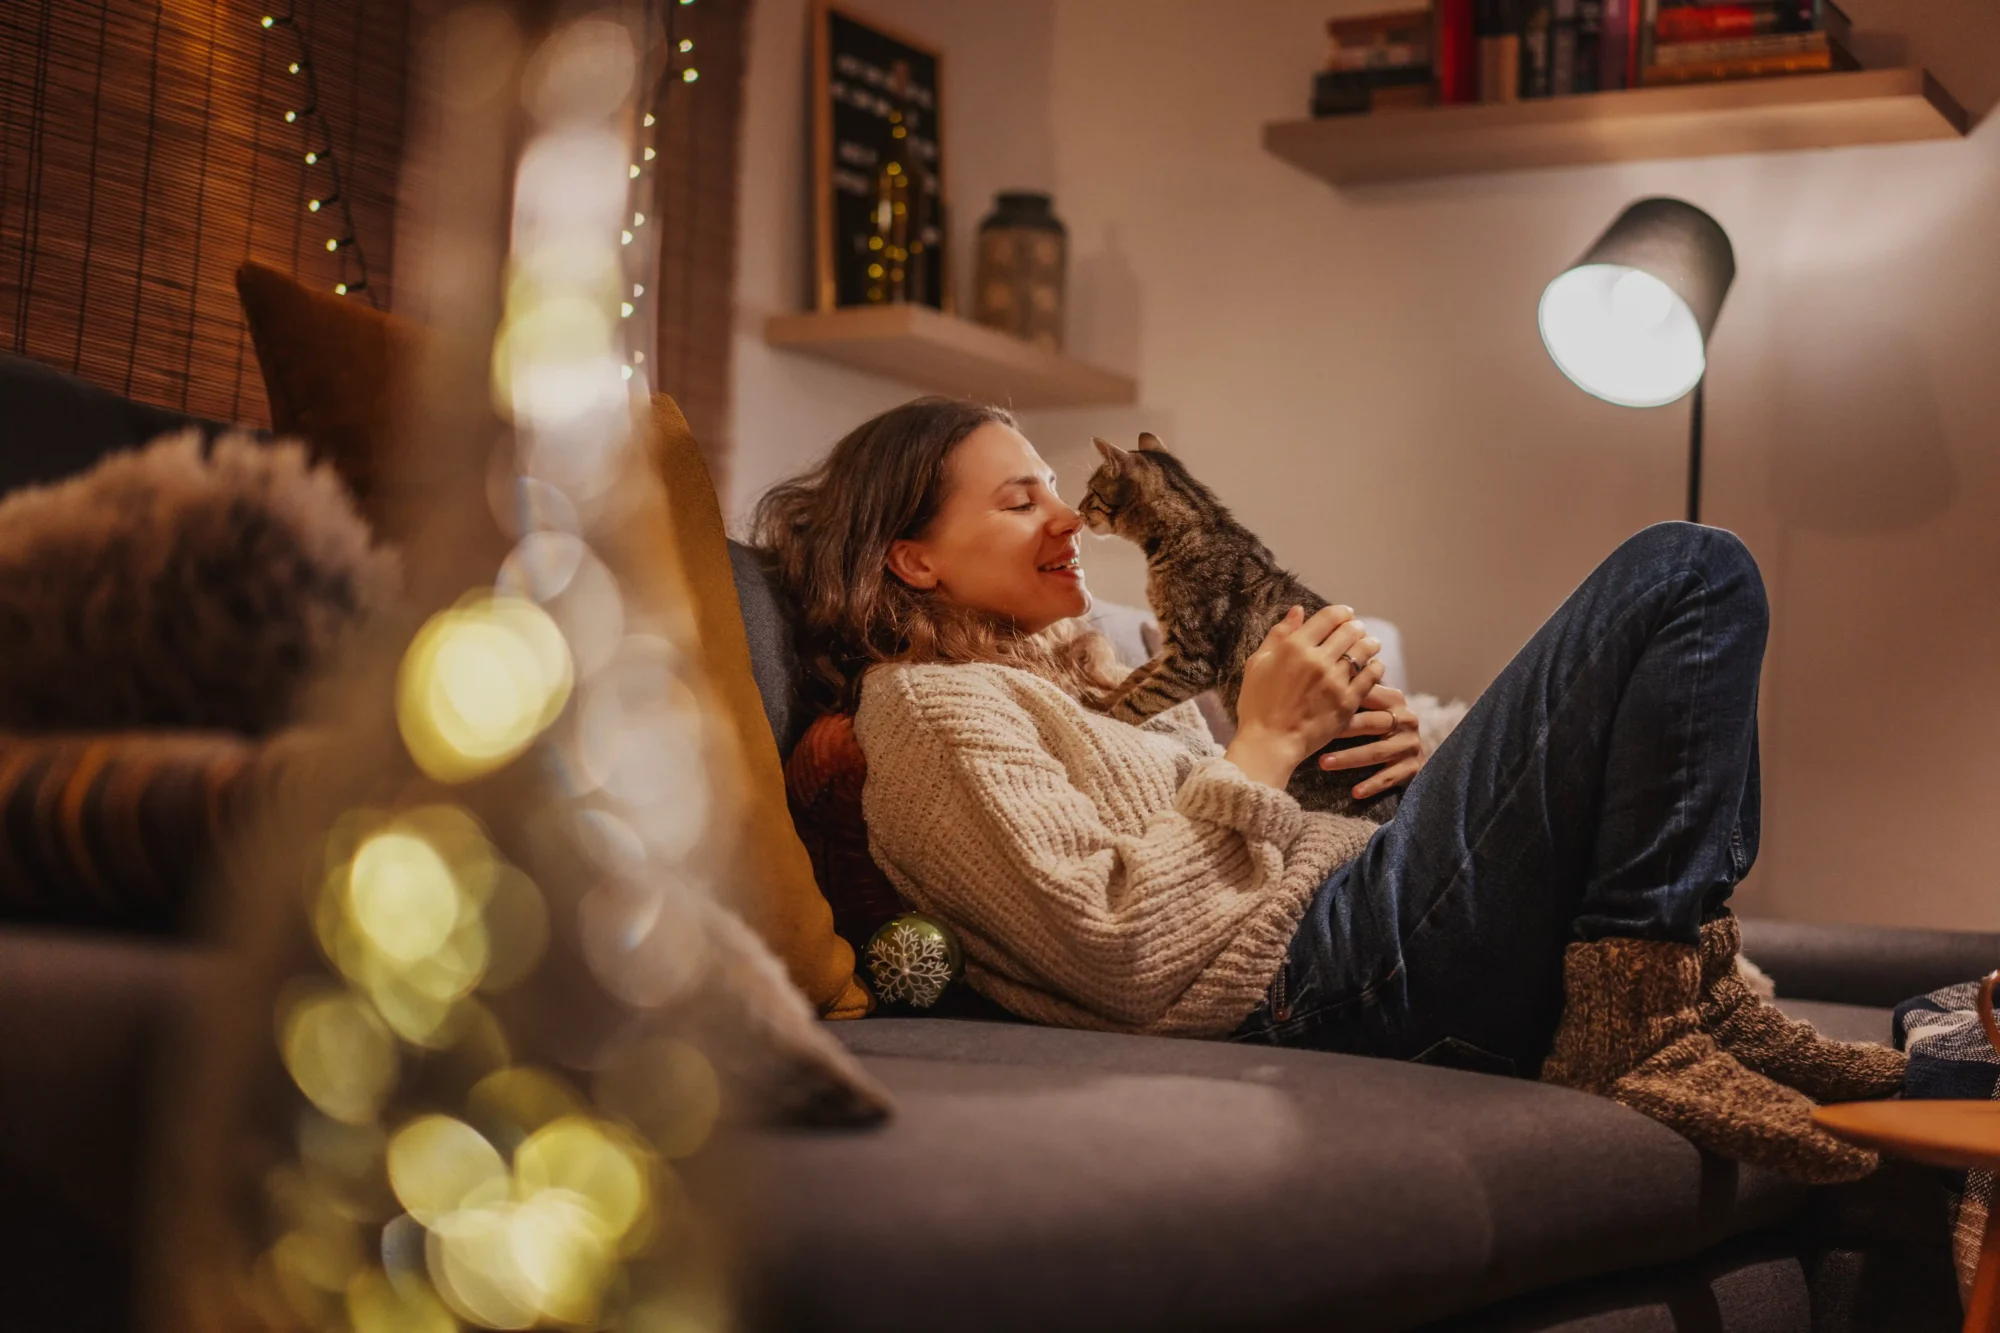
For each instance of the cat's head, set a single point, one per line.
(1140, 493)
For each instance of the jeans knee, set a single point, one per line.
(1717, 555)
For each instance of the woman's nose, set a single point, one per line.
(1065, 520)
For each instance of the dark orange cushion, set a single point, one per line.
(333, 367)
(823, 779)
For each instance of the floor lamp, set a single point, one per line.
(1630, 320)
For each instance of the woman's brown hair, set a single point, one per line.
(828, 532)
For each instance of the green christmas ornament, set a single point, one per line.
(911, 960)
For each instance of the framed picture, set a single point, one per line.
(878, 165)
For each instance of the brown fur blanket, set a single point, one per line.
(171, 588)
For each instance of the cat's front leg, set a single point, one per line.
(1166, 680)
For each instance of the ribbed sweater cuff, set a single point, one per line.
(1218, 791)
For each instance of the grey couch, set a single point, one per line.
(1051, 1180)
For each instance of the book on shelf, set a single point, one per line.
(1617, 44)
(1710, 22)
(1499, 33)
(1750, 67)
(1740, 48)
(1696, 41)
(1455, 50)
(1374, 62)
(1355, 92)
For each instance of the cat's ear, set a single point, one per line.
(1150, 443)
(1112, 453)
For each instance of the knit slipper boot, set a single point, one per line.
(1629, 1031)
(1759, 1034)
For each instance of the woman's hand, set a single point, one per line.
(1386, 713)
(1301, 688)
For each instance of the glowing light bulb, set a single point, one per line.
(311, 158)
(687, 43)
(649, 120)
(1621, 334)
(638, 290)
(291, 116)
(331, 245)
(650, 154)
(624, 238)
(638, 219)
(292, 68)
(626, 371)
(624, 310)
(312, 205)
(690, 75)
(340, 288)
(635, 171)
(267, 20)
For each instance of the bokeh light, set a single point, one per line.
(340, 1055)
(438, 1165)
(479, 683)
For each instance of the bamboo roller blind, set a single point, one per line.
(694, 197)
(144, 154)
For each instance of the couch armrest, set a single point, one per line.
(1871, 965)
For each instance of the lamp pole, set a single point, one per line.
(1694, 453)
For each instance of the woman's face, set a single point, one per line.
(1002, 542)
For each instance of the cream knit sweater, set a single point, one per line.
(1099, 875)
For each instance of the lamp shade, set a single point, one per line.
(1629, 321)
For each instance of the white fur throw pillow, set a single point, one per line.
(165, 588)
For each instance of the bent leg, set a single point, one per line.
(1604, 785)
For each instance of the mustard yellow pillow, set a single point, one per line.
(788, 909)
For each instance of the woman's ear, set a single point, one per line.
(909, 562)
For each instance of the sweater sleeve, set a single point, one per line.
(975, 814)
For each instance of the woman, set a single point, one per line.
(1549, 899)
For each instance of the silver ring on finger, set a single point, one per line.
(1349, 659)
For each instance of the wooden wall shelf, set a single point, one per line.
(945, 354)
(1710, 119)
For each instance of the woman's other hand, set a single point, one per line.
(1398, 748)
(1301, 688)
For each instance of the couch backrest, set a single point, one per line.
(54, 425)
(773, 657)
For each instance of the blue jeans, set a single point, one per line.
(1604, 785)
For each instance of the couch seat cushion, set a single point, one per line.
(1047, 1179)
(1843, 1022)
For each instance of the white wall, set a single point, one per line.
(1359, 373)
(997, 134)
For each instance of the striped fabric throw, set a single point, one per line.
(120, 830)
(1951, 1058)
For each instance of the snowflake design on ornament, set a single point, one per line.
(909, 964)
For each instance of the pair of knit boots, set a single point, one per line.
(1673, 1032)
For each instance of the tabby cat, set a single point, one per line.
(1216, 590)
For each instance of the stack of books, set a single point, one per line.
(1511, 50)
(1374, 63)
(1700, 41)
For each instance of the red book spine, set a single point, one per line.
(1706, 23)
(1455, 59)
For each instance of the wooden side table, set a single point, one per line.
(1963, 1135)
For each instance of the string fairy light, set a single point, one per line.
(346, 245)
(660, 16)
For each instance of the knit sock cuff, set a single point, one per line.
(1218, 791)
